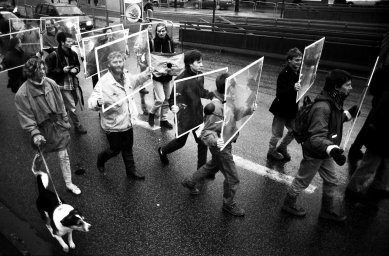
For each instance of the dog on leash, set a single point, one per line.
(61, 219)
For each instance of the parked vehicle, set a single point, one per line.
(63, 10)
(220, 4)
(4, 21)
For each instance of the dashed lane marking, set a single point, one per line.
(246, 164)
(145, 125)
(269, 173)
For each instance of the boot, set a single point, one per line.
(330, 208)
(151, 119)
(166, 124)
(273, 154)
(291, 207)
(100, 163)
(282, 148)
(284, 152)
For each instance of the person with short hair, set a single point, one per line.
(192, 91)
(42, 113)
(63, 67)
(222, 160)
(110, 90)
(321, 150)
(284, 106)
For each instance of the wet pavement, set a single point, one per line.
(158, 216)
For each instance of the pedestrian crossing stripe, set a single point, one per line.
(269, 173)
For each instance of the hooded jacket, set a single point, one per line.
(325, 126)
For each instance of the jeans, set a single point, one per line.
(161, 94)
(70, 106)
(64, 163)
(120, 142)
(180, 142)
(331, 200)
(223, 161)
(277, 131)
(373, 170)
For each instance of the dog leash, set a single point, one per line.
(49, 174)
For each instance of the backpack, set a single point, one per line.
(301, 123)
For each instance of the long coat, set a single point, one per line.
(284, 105)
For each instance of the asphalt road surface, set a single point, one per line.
(159, 217)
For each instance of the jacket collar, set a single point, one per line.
(37, 90)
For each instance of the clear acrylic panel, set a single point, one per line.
(51, 26)
(29, 39)
(90, 43)
(188, 106)
(310, 62)
(240, 96)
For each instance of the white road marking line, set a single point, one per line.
(145, 125)
(269, 173)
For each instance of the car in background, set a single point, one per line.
(4, 21)
(63, 10)
(374, 3)
(208, 4)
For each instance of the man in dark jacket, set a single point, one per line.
(321, 149)
(63, 67)
(284, 106)
(14, 57)
(373, 171)
(190, 115)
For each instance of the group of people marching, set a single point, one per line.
(47, 101)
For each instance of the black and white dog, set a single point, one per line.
(61, 219)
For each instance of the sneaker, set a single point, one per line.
(151, 119)
(191, 186)
(233, 210)
(294, 210)
(80, 129)
(166, 124)
(284, 153)
(273, 154)
(73, 188)
(332, 216)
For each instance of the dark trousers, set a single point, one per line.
(95, 79)
(120, 142)
(180, 142)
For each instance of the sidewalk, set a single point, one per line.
(17, 237)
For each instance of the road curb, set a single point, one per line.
(19, 237)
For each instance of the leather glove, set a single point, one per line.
(209, 109)
(353, 111)
(39, 140)
(337, 155)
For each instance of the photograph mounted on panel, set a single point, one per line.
(189, 107)
(309, 64)
(240, 96)
(99, 31)
(17, 47)
(51, 26)
(90, 43)
(16, 24)
(133, 13)
(133, 47)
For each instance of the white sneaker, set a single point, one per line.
(73, 188)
